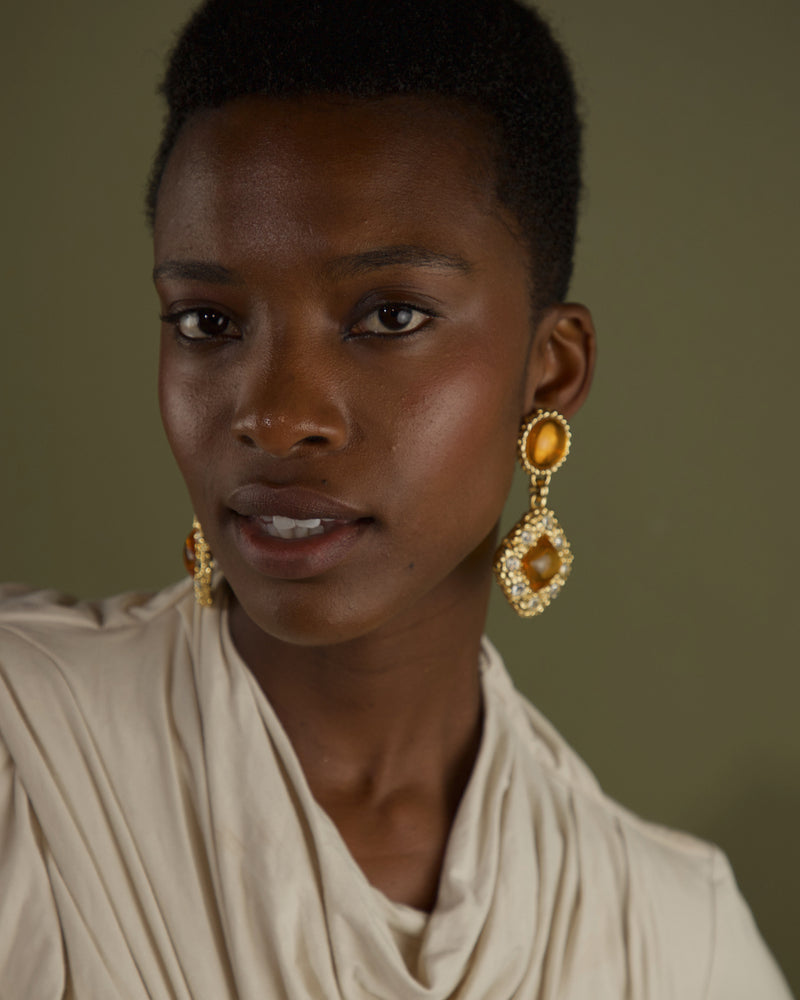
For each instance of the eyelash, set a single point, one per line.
(397, 307)
(174, 319)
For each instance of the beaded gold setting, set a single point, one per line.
(199, 564)
(532, 534)
(535, 559)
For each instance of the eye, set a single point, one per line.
(392, 319)
(199, 324)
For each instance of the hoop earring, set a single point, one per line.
(199, 563)
(534, 559)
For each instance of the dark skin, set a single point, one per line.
(350, 325)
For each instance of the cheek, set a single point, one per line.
(458, 445)
(186, 405)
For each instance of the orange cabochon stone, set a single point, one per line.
(541, 563)
(546, 444)
(189, 553)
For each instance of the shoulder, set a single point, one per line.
(672, 895)
(606, 832)
(41, 630)
(51, 613)
(69, 668)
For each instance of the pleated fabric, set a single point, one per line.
(158, 840)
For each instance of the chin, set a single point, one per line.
(302, 619)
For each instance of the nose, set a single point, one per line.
(290, 403)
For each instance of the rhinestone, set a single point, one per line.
(513, 563)
(526, 537)
(558, 541)
(518, 590)
(548, 523)
(530, 603)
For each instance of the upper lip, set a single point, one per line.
(262, 500)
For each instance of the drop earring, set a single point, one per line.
(534, 559)
(199, 563)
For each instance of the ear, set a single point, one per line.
(561, 362)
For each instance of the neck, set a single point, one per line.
(375, 712)
(386, 728)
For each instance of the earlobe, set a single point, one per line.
(562, 359)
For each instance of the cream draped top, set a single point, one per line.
(158, 840)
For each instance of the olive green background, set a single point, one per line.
(671, 660)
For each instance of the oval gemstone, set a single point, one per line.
(541, 563)
(189, 554)
(547, 444)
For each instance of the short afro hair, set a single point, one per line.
(496, 56)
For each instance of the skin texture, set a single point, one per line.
(366, 644)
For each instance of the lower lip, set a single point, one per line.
(295, 558)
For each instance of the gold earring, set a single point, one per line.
(199, 563)
(534, 559)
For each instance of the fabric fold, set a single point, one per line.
(158, 839)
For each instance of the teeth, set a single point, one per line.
(291, 522)
(290, 527)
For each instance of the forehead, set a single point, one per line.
(328, 169)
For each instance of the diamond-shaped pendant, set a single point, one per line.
(533, 562)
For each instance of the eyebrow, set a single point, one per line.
(409, 256)
(196, 270)
(352, 265)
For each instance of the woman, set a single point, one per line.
(307, 775)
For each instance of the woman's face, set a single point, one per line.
(347, 344)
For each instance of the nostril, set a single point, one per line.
(280, 444)
(290, 430)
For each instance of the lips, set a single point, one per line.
(292, 532)
(299, 504)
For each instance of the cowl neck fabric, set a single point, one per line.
(159, 841)
(294, 897)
